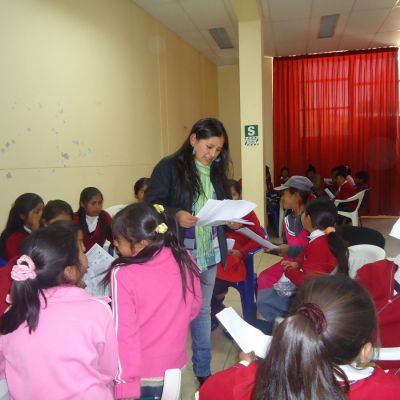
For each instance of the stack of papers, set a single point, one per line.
(219, 212)
(98, 262)
(395, 232)
(245, 335)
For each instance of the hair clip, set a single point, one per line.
(159, 208)
(24, 269)
(329, 229)
(161, 228)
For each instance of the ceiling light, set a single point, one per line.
(327, 26)
(220, 35)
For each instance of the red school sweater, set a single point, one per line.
(12, 245)
(235, 270)
(316, 259)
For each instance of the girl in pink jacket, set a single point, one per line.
(57, 342)
(156, 294)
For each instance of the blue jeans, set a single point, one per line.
(201, 327)
(270, 304)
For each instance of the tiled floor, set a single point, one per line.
(225, 351)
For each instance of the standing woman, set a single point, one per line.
(183, 182)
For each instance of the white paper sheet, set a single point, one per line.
(246, 336)
(387, 354)
(230, 242)
(218, 212)
(98, 261)
(329, 193)
(258, 239)
(395, 232)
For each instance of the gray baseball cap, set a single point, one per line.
(297, 182)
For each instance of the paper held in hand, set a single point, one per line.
(329, 193)
(219, 212)
(246, 336)
(256, 238)
(98, 262)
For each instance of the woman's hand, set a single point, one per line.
(250, 357)
(185, 219)
(234, 225)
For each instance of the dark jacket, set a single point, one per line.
(166, 188)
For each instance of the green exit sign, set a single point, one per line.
(251, 137)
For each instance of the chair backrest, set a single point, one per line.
(354, 235)
(362, 254)
(114, 209)
(172, 384)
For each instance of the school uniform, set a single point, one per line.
(94, 234)
(382, 280)
(12, 245)
(72, 354)
(152, 325)
(237, 383)
(345, 191)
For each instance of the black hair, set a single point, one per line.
(140, 184)
(363, 176)
(51, 249)
(285, 168)
(54, 208)
(303, 361)
(236, 185)
(304, 195)
(86, 195)
(323, 214)
(203, 129)
(341, 171)
(22, 206)
(311, 168)
(138, 222)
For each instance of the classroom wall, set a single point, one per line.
(94, 93)
(229, 112)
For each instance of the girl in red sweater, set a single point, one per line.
(93, 220)
(325, 254)
(321, 351)
(23, 219)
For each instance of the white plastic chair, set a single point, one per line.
(114, 209)
(388, 354)
(353, 215)
(4, 395)
(172, 384)
(362, 254)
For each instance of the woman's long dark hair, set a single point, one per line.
(303, 364)
(54, 208)
(323, 214)
(51, 249)
(86, 195)
(203, 129)
(138, 222)
(20, 210)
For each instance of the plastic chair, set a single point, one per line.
(247, 288)
(362, 254)
(4, 395)
(3, 262)
(353, 215)
(172, 384)
(114, 209)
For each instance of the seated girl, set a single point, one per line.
(295, 193)
(56, 210)
(321, 351)
(235, 270)
(93, 220)
(23, 219)
(325, 254)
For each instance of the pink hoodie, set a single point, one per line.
(71, 355)
(152, 319)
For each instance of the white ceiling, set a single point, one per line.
(290, 26)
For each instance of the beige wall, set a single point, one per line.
(229, 112)
(93, 93)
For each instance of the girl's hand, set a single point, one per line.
(250, 357)
(234, 225)
(281, 250)
(185, 219)
(289, 264)
(236, 253)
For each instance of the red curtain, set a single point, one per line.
(341, 108)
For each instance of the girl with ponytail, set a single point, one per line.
(321, 351)
(325, 254)
(54, 332)
(156, 294)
